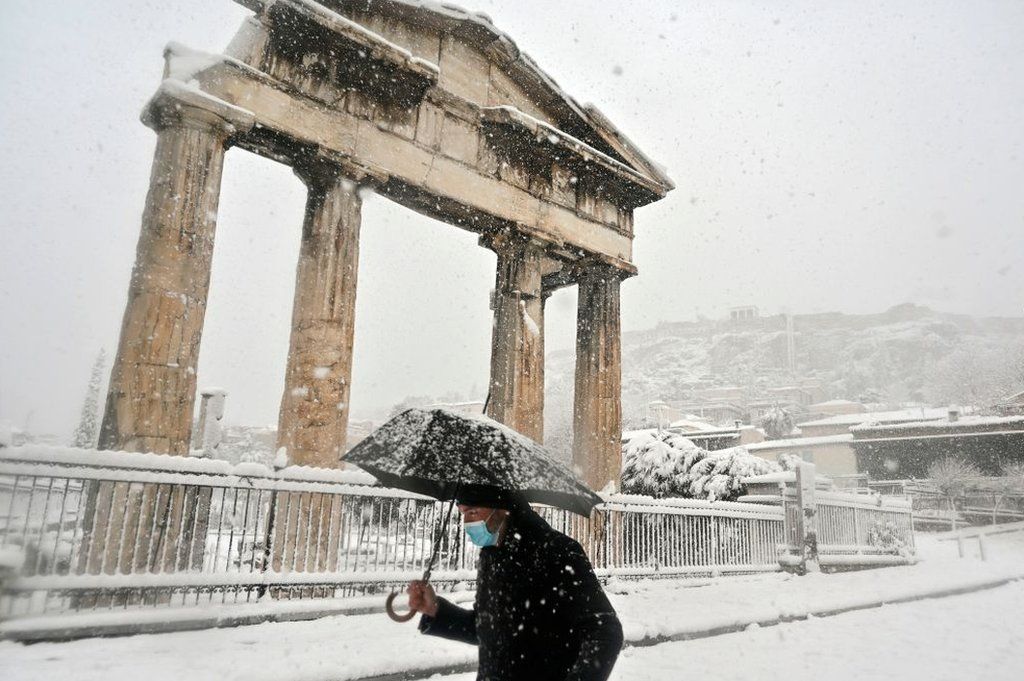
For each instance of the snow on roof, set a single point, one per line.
(835, 403)
(694, 426)
(509, 114)
(917, 413)
(326, 16)
(963, 422)
(801, 442)
(517, 64)
(780, 476)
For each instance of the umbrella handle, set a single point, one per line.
(390, 608)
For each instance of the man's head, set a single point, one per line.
(484, 525)
(494, 517)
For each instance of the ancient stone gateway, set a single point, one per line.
(432, 107)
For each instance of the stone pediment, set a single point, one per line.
(428, 44)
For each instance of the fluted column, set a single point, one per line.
(314, 409)
(153, 379)
(517, 338)
(597, 410)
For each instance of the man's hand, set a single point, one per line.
(422, 598)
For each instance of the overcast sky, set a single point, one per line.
(828, 156)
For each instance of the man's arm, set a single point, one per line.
(450, 621)
(591, 614)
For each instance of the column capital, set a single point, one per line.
(175, 104)
(592, 269)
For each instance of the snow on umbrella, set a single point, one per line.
(441, 453)
(446, 455)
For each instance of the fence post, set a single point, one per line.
(807, 517)
(716, 554)
(856, 528)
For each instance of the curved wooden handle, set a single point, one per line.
(390, 608)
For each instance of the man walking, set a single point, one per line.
(540, 613)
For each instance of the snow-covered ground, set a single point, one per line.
(966, 636)
(974, 636)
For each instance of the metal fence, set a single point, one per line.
(854, 529)
(983, 501)
(102, 531)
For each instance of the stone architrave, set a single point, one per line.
(152, 388)
(597, 411)
(314, 408)
(517, 338)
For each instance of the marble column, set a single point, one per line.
(517, 339)
(597, 410)
(152, 388)
(314, 409)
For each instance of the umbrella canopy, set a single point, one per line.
(441, 453)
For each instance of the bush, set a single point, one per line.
(669, 465)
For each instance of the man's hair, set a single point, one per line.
(489, 497)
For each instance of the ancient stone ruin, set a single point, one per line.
(434, 108)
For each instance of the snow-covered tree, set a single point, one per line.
(776, 423)
(88, 423)
(669, 465)
(952, 477)
(1010, 483)
(789, 461)
(719, 475)
(654, 462)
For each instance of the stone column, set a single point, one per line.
(314, 409)
(152, 385)
(517, 338)
(153, 380)
(211, 412)
(597, 410)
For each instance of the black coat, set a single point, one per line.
(540, 613)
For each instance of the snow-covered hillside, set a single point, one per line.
(906, 353)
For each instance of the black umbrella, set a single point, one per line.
(442, 454)
(450, 455)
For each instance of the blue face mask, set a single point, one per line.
(479, 534)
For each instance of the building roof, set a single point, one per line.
(973, 423)
(836, 403)
(796, 442)
(694, 426)
(894, 416)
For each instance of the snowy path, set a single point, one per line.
(356, 646)
(975, 636)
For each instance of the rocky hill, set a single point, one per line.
(906, 353)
